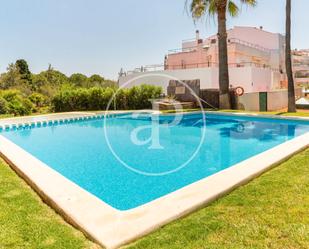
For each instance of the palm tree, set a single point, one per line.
(219, 8)
(288, 59)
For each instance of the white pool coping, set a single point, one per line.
(51, 119)
(113, 228)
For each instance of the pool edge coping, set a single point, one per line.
(113, 228)
(240, 114)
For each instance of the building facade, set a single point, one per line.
(256, 61)
(301, 67)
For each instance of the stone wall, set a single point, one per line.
(184, 91)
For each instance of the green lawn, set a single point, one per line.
(299, 113)
(6, 116)
(26, 222)
(272, 211)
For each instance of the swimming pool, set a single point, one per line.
(100, 156)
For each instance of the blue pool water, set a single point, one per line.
(80, 151)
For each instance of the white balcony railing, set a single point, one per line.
(161, 67)
(230, 41)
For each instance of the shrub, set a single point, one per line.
(10, 95)
(20, 107)
(39, 100)
(97, 98)
(138, 96)
(122, 99)
(3, 106)
(96, 94)
(15, 103)
(61, 102)
(107, 97)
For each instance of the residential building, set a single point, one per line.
(301, 67)
(256, 62)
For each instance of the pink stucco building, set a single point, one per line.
(256, 62)
(301, 66)
(246, 46)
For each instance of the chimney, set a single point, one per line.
(197, 35)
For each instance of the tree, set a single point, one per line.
(37, 99)
(219, 8)
(288, 59)
(79, 79)
(49, 82)
(55, 77)
(11, 78)
(96, 80)
(23, 67)
(24, 71)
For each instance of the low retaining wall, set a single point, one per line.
(211, 96)
(275, 100)
(249, 102)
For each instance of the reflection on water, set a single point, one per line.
(80, 152)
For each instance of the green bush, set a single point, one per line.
(97, 98)
(3, 106)
(138, 96)
(38, 100)
(96, 95)
(71, 100)
(15, 103)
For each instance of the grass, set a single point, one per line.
(184, 110)
(26, 222)
(13, 116)
(299, 113)
(6, 116)
(269, 212)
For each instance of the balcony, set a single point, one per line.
(162, 67)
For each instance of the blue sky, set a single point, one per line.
(100, 36)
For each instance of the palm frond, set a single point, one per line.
(200, 8)
(232, 9)
(249, 2)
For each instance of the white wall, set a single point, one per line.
(241, 76)
(261, 79)
(275, 80)
(276, 100)
(162, 78)
(252, 79)
(249, 102)
(255, 36)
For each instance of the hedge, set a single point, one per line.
(97, 98)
